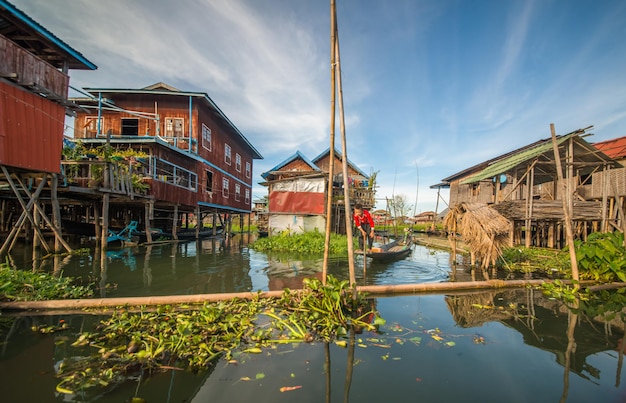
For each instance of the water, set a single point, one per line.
(489, 346)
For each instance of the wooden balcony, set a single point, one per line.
(29, 71)
(102, 176)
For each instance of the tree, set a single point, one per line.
(399, 207)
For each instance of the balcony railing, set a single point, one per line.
(32, 72)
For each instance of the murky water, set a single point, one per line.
(494, 346)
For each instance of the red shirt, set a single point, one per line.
(358, 220)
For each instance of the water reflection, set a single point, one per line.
(511, 345)
(221, 265)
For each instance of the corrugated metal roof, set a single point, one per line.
(506, 164)
(297, 155)
(614, 148)
(586, 156)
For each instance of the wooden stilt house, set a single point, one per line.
(523, 186)
(298, 192)
(186, 160)
(34, 82)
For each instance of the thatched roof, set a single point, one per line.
(484, 230)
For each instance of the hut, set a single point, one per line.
(482, 228)
(523, 186)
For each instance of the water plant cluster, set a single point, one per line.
(170, 337)
(602, 258)
(307, 242)
(22, 285)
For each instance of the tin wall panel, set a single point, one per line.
(33, 130)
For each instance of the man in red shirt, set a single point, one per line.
(364, 223)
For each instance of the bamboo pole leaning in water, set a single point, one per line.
(380, 290)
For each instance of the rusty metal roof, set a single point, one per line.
(614, 148)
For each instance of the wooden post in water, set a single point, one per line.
(567, 208)
(148, 214)
(344, 159)
(331, 156)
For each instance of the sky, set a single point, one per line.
(430, 87)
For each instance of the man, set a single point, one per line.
(365, 224)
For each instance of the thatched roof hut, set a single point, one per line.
(482, 228)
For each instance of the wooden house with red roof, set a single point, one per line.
(34, 82)
(298, 193)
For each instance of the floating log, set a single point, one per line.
(78, 305)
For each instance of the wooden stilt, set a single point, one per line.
(148, 214)
(175, 223)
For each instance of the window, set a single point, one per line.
(238, 162)
(91, 126)
(237, 192)
(247, 197)
(474, 189)
(225, 187)
(209, 182)
(206, 137)
(174, 127)
(248, 169)
(227, 157)
(167, 172)
(130, 127)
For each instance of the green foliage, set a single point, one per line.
(142, 342)
(537, 260)
(602, 257)
(308, 242)
(21, 285)
(324, 310)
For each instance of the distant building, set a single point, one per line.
(298, 193)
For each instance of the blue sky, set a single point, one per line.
(430, 87)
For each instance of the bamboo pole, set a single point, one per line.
(566, 206)
(331, 168)
(344, 151)
(81, 304)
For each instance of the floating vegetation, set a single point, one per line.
(308, 242)
(22, 285)
(182, 337)
(535, 260)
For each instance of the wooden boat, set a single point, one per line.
(395, 250)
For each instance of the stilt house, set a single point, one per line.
(34, 82)
(523, 186)
(298, 193)
(187, 157)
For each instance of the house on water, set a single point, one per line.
(523, 187)
(34, 82)
(298, 193)
(190, 160)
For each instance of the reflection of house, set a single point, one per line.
(34, 82)
(542, 323)
(522, 185)
(298, 187)
(196, 160)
